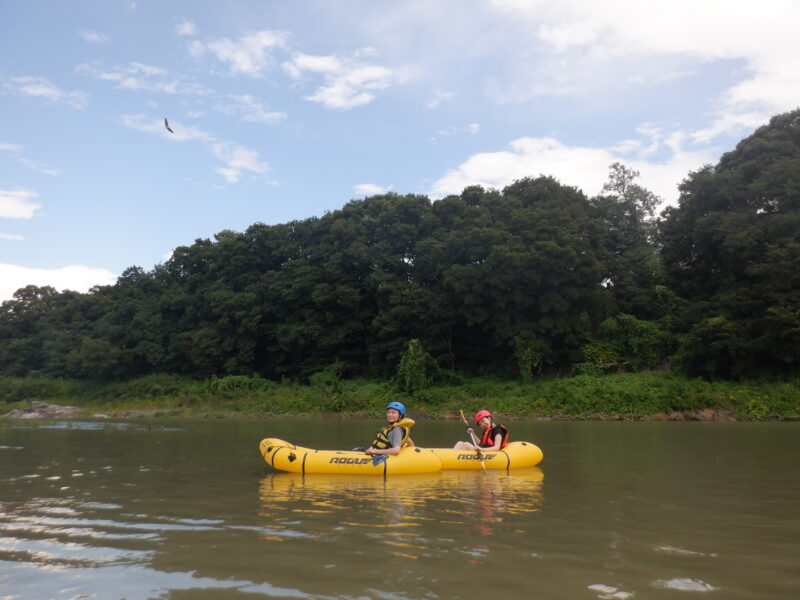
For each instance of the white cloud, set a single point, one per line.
(186, 28)
(370, 189)
(94, 37)
(353, 88)
(570, 35)
(249, 109)
(237, 159)
(183, 133)
(10, 236)
(37, 166)
(439, 97)
(73, 277)
(315, 64)
(584, 168)
(740, 54)
(578, 47)
(250, 55)
(17, 204)
(347, 83)
(472, 128)
(141, 77)
(368, 52)
(30, 164)
(40, 87)
(730, 122)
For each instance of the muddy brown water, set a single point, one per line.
(180, 510)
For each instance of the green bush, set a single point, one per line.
(17, 389)
(628, 395)
(236, 384)
(625, 339)
(414, 366)
(530, 354)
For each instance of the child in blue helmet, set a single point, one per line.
(391, 438)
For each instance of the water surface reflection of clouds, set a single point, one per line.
(64, 548)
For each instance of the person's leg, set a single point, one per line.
(463, 446)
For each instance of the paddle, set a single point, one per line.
(380, 458)
(474, 440)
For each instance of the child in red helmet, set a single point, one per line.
(494, 436)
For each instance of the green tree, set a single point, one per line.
(731, 249)
(530, 354)
(632, 257)
(414, 367)
(93, 359)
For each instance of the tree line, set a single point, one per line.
(536, 278)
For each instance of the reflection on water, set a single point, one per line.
(56, 545)
(399, 514)
(105, 425)
(617, 511)
(52, 543)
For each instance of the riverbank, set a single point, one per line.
(630, 396)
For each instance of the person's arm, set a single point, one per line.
(395, 439)
(498, 441)
(390, 451)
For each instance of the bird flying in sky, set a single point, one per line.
(166, 124)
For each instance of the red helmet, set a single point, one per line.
(480, 414)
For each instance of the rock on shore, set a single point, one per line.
(43, 410)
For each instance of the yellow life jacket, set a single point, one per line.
(382, 437)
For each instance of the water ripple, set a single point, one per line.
(610, 592)
(130, 582)
(684, 584)
(682, 552)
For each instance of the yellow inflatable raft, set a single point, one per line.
(515, 455)
(284, 456)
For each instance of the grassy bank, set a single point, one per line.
(624, 396)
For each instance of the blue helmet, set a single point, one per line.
(399, 407)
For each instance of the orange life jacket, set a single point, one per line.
(487, 441)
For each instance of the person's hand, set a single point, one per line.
(370, 450)
(471, 430)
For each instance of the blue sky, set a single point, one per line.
(284, 110)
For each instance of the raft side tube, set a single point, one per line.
(514, 456)
(284, 456)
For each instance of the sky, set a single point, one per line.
(284, 110)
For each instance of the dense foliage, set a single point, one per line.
(531, 280)
(731, 250)
(465, 276)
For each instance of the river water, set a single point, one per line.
(189, 510)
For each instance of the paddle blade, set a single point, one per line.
(378, 459)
